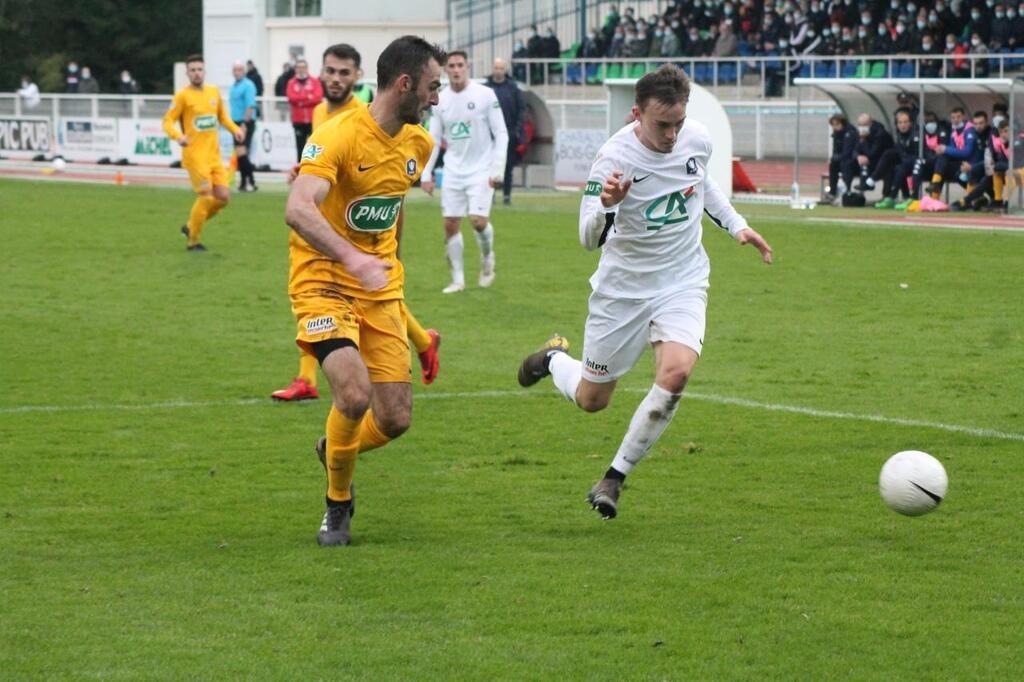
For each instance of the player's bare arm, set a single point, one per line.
(427, 186)
(615, 189)
(751, 236)
(302, 214)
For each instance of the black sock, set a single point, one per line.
(615, 474)
(336, 503)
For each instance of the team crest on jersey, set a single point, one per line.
(320, 325)
(410, 167)
(471, 106)
(668, 210)
(311, 151)
(691, 166)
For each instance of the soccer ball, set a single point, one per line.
(59, 164)
(912, 482)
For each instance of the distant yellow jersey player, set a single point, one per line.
(340, 70)
(192, 122)
(345, 280)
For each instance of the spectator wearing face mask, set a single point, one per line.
(817, 17)
(657, 37)
(694, 45)
(980, 23)
(873, 141)
(670, 45)
(519, 69)
(1001, 30)
(592, 47)
(957, 67)
(127, 85)
(929, 68)
(901, 41)
(864, 41)
(552, 47)
(615, 48)
(71, 79)
(978, 47)
(882, 42)
(936, 134)
(611, 20)
(87, 85)
(1016, 41)
(29, 93)
(963, 142)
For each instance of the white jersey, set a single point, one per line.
(473, 128)
(652, 240)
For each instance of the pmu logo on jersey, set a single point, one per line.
(459, 130)
(691, 166)
(373, 214)
(410, 167)
(320, 325)
(595, 368)
(668, 210)
(593, 189)
(205, 122)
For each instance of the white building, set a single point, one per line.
(271, 32)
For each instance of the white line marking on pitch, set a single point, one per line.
(723, 400)
(864, 222)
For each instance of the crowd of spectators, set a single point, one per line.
(914, 162)
(728, 28)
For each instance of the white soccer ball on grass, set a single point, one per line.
(913, 482)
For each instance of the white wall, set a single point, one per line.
(233, 30)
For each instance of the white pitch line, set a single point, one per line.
(885, 223)
(705, 397)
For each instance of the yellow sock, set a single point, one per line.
(197, 218)
(342, 452)
(970, 187)
(214, 205)
(937, 184)
(307, 368)
(997, 186)
(416, 333)
(370, 435)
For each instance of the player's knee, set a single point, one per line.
(593, 403)
(352, 401)
(479, 224)
(394, 424)
(674, 379)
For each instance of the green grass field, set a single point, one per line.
(158, 513)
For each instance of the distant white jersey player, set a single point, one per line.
(468, 119)
(642, 206)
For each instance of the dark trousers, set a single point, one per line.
(511, 159)
(923, 170)
(948, 167)
(846, 167)
(302, 133)
(893, 170)
(245, 165)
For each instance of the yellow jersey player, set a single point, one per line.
(197, 108)
(345, 280)
(340, 70)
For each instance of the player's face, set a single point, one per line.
(457, 70)
(417, 98)
(981, 123)
(660, 124)
(956, 118)
(903, 123)
(196, 73)
(339, 77)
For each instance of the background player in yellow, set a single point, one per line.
(340, 70)
(197, 108)
(345, 280)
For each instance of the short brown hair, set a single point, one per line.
(456, 53)
(668, 85)
(406, 55)
(838, 118)
(193, 58)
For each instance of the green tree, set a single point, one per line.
(145, 37)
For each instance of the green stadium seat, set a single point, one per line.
(613, 71)
(637, 70)
(878, 70)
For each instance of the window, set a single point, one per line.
(294, 8)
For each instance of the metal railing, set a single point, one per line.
(57, 105)
(772, 75)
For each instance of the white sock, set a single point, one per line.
(648, 423)
(453, 247)
(566, 372)
(485, 239)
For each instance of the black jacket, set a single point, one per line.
(513, 106)
(908, 144)
(877, 141)
(844, 143)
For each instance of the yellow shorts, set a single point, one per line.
(205, 175)
(376, 327)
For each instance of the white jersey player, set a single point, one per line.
(642, 206)
(468, 119)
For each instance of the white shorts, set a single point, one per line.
(470, 198)
(618, 330)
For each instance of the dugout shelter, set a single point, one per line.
(877, 97)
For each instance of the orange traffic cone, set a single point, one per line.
(118, 178)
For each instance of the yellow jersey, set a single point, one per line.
(320, 113)
(197, 111)
(370, 173)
